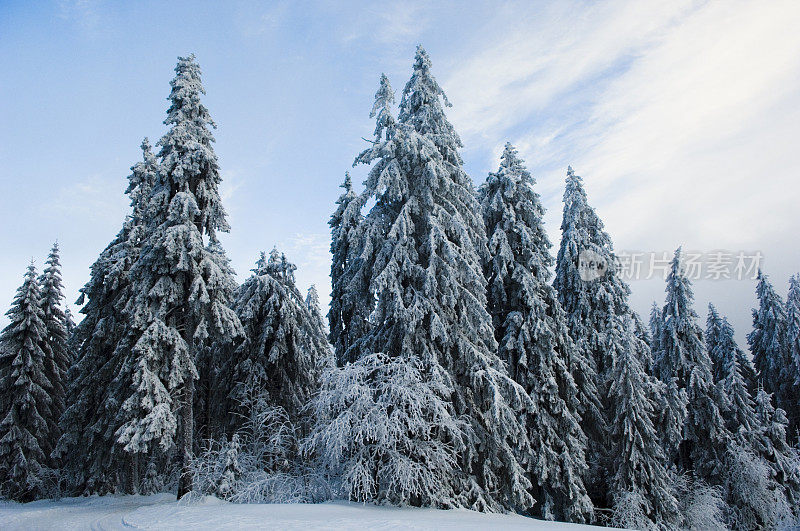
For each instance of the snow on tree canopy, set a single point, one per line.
(98, 380)
(57, 359)
(26, 407)
(182, 292)
(638, 463)
(767, 340)
(422, 250)
(595, 300)
(284, 351)
(531, 330)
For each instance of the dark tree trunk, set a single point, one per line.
(132, 483)
(187, 436)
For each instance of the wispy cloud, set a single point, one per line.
(94, 200)
(311, 254)
(85, 13)
(681, 116)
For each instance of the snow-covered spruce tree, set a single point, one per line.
(738, 412)
(793, 347)
(284, 351)
(423, 247)
(714, 324)
(712, 339)
(152, 482)
(685, 362)
(754, 498)
(91, 460)
(596, 305)
(350, 305)
(181, 292)
(314, 308)
(637, 459)
(783, 459)
(212, 359)
(768, 345)
(25, 405)
(531, 330)
(352, 300)
(57, 359)
(655, 325)
(668, 364)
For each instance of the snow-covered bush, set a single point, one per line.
(260, 463)
(384, 433)
(630, 512)
(701, 506)
(756, 501)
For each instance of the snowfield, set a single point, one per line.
(161, 511)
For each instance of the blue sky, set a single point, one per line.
(682, 117)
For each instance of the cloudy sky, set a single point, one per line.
(682, 117)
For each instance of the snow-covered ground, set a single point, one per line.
(161, 511)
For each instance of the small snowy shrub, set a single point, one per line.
(260, 463)
(700, 505)
(756, 501)
(630, 512)
(384, 433)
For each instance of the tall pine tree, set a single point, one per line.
(638, 463)
(346, 317)
(423, 247)
(768, 344)
(685, 367)
(793, 347)
(26, 406)
(531, 330)
(595, 300)
(57, 361)
(285, 349)
(91, 460)
(182, 293)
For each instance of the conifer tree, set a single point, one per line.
(345, 318)
(793, 346)
(739, 413)
(423, 245)
(69, 324)
(768, 344)
(182, 293)
(284, 351)
(91, 460)
(57, 359)
(685, 366)
(533, 337)
(712, 339)
(655, 328)
(313, 306)
(26, 412)
(638, 463)
(595, 300)
(781, 456)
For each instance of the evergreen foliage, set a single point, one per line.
(181, 292)
(26, 406)
(423, 246)
(531, 330)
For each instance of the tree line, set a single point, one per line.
(456, 369)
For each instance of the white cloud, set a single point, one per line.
(311, 254)
(683, 119)
(95, 200)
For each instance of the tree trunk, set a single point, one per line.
(187, 436)
(132, 486)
